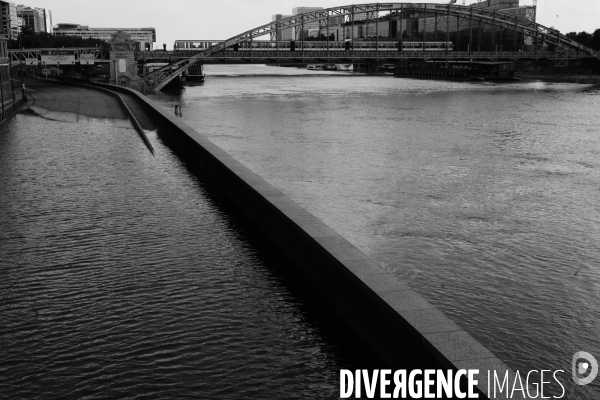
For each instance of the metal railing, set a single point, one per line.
(7, 112)
(18, 55)
(361, 54)
(182, 60)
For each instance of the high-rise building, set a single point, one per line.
(146, 37)
(9, 25)
(283, 34)
(496, 4)
(34, 18)
(511, 7)
(48, 19)
(307, 26)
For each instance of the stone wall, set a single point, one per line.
(125, 66)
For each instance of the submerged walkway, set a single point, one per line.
(75, 104)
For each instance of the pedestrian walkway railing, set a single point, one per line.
(8, 110)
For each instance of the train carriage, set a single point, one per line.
(334, 46)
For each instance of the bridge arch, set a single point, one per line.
(494, 18)
(566, 48)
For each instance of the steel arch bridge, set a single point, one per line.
(468, 16)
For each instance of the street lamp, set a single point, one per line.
(143, 72)
(2, 85)
(2, 92)
(12, 89)
(21, 70)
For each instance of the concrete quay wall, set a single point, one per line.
(402, 328)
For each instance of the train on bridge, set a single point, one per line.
(335, 46)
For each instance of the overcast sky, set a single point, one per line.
(222, 19)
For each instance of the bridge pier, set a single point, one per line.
(123, 65)
(195, 72)
(365, 67)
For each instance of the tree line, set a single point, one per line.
(29, 39)
(591, 40)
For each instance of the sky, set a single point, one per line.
(222, 19)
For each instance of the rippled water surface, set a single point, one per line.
(121, 277)
(483, 197)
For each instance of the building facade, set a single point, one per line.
(48, 19)
(298, 33)
(391, 26)
(5, 90)
(34, 18)
(283, 34)
(145, 37)
(511, 7)
(496, 4)
(9, 24)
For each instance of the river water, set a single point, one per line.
(482, 197)
(121, 276)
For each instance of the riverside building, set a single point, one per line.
(412, 26)
(9, 23)
(298, 34)
(38, 19)
(282, 34)
(146, 37)
(311, 29)
(5, 90)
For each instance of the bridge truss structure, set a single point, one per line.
(469, 18)
(468, 14)
(470, 22)
(18, 56)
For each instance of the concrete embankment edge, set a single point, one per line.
(14, 110)
(400, 326)
(113, 94)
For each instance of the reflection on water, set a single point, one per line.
(120, 277)
(481, 196)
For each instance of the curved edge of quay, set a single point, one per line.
(134, 122)
(403, 329)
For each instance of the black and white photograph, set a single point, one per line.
(280, 200)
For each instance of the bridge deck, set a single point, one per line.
(357, 57)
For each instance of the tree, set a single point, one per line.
(29, 39)
(596, 40)
(586, 39)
